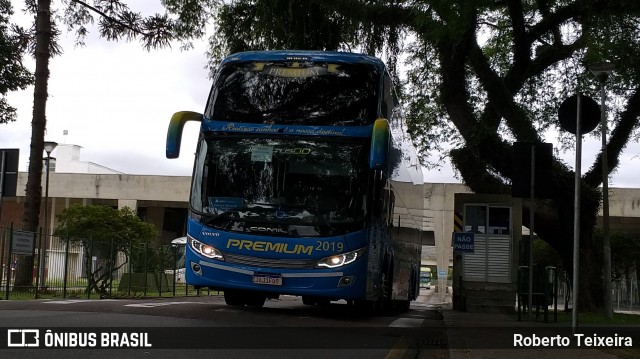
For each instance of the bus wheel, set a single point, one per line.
(385, 302)
(403, 305)
(308, 300)
(255, 300)
(365, 307)
(233, 298)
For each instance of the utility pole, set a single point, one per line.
(602, 71)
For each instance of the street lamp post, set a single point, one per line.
(602, 72)
(49, 146)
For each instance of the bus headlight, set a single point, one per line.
(341, 259)
(206, 250)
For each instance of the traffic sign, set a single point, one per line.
(22, 243)
(568, 113)
(463, 242)
(442, 274)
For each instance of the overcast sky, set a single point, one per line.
(115, 100)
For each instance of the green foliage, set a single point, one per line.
(625, 253)
(105, 224)
(183, 21)
(480, 75)
(524, 59)
(106, 233)
(544, 255)
(245, 25)
(149, 259)
(13, 75)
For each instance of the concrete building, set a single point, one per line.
(163, 201)
(67, 160)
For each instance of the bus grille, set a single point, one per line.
(270, 262)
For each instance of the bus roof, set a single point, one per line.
(319, 56)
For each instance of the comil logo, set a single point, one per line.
(21, 338)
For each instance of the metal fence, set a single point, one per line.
(86, 268)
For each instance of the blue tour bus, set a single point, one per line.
(294, 187)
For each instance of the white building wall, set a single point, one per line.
(68, 161)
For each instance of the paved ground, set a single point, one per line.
(465, 330)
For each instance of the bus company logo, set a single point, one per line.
(267, 230)
(266, 246)
(31, 338)
(23, 338)
(211, 234)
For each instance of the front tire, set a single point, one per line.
(255, 300)
(385, 302)
(233, 298)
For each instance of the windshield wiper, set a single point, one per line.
(312, 211)
(209, 218)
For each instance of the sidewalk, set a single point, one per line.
(464, 329)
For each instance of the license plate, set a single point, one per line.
(268, 279)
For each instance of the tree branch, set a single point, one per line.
(617, 141)
(548, 56)
(501, 97)
(393, 16)
(522, 44)
(480, 139)
(475, 173)
(109, 18)
(581, 8)
(543, 6)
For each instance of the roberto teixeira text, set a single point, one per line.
(578, 340)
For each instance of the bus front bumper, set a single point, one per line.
(348, 282)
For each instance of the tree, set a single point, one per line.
(104, 232)
(482, 75)
(625, 254)
(13, 75)
(116, 22)
(545, 256)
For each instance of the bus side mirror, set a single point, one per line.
(379, 145)
(174, 133)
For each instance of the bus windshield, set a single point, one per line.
(312, 94)
(289, 187)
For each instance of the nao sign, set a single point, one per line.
(463, 242)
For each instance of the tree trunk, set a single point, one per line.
(31, 218)
(635, 269)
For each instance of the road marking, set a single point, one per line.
(399, 349)
(406, 323)
(74, 301)
(159, 304)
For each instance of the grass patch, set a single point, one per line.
(626, 353)
(586, 319)
(76, 292)
(598, 318)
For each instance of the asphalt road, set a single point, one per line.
(206, 326)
